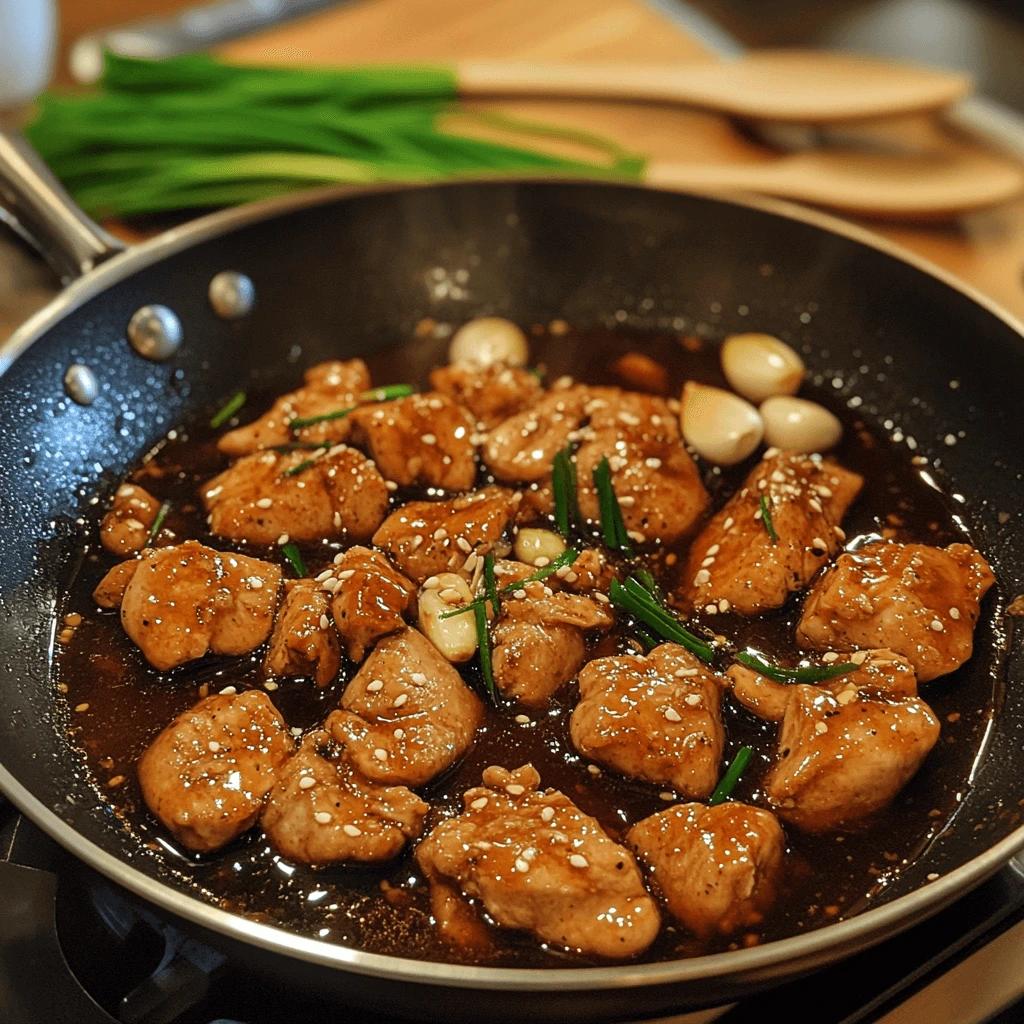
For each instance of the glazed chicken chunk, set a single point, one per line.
(304, 641)
(656, 482)
(538, 641)
(717, 868)
(919, 601)
(846, 747)
(425, 538)
(180, 602)
(406, 715)
(127, 524)
(735, 564)
(206, 775)
(491, 393)
(370, 598)
(537, 863)
(655, 718)
(422, 439)
(323, 810)
(306, 496)
(328, 388)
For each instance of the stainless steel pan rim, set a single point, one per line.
(810, 949)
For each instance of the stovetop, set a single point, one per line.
(77, 949)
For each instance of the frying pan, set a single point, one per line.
(339, 273)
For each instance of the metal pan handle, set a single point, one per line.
(35, 205)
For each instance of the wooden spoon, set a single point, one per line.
(778, 85)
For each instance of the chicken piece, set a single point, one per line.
(425, 538)
(423, 439)
(491, 393)
(591, 571)
(734, 563)
(110, 591)
(538, 641)
(186, 600)
(205, 776)
(656, 482)
(338, 495)
(406, 715)
(538, 863)
(125, 527)
(919, 601)
(716, 867)
(329, 387)
(846, 748)
(522, 448)
(371, 599)
(323, 810)
(656, 718)
(304, 642)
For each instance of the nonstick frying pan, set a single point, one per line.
(339, 273)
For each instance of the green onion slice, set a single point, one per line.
(565, 485)
(228, 410)
(385, 394)
(491, 585)
(766, 518)
(484, 641)
(633, 598)
(732, 776)
(305, 463)
(158, 524)
(808, 674)
(613, 529)
(292, 553)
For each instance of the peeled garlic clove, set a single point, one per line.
(758, 366)
(455, 637)
(538, 547)
(489, 339)
(798, 424)
(719, 425)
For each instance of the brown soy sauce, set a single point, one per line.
(385, 908)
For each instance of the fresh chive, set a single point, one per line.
(638, 602)
(490, 584)
(158, 524)
(484, 642)
(228, 410)
(766, 518)
(309, 421)
(648, 582)
(385, 394)
(305, 463)
(732, 776)
(645, 638)
(292, 553)
(613, 529)
(298, 446)
(564, 483)
(808, 674)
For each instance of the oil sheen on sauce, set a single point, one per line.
(385, 908)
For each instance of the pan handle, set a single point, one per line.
(35, 205)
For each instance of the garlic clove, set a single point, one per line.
(719, 425)
(455, 637)
(800, 425)
(758, 366)
(533, 544)
(489, 339)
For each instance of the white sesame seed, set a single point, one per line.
(770, 453)
(463, 544)
(713, 550)
(229, 691)
(419, 678)
(693, 699)
(603, 598)
(520, 594)
(322, 818)
(374, 685)
(815, 505)
(400, 700)
(283, 539)
(264, 503)
(858, 657)
(352, 830)
(820, 727)
(213, 746)
(701, 578)
(932, 876)
(547, 814)
(515, 789)
(954, 613)
(710, 560)
(830, 657)
(711, 609)
(666, 796)
(440, 533)
(522, 865)
(846, 696)
(937, 625)
(577, 860)
(637, 536)
(326, 574)
(479, 803)
(593, 769)
(450, 595)
(672, 715)
(627, 501)
(523, 719)
(429, 439)
(346, 574)
(331, 584)
(841, 534)
(337, 515)
(324, 622)
(415, 542)
(307, 782)
(723, 605)
(818, 545)
(686, 673)
(256, 582)
(824, 491)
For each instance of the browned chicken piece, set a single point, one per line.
(423, 439)
(457, 920)
(656, 482)
(339, 494)
(424, 538)
(205, 776)
(522, 448)
(847, 747)
(304, 641)
(538, 863)
(110, 591)
(125, 527)
(656, 718)
(716, 867)
(591, 571)
(919, 601)
(538, 641)
(324, 810)
(329, 387)
(406, 715)
(371, 599)
(184, 601)
(734, 563)
(491, 393)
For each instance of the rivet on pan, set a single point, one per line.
(155, 332)
(81, 385)
(232, 294)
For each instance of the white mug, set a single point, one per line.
(28, 38)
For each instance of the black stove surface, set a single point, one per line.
(76, 949)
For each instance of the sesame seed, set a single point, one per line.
(322, 818)
(522, 865)
(627, 501)
(400, 700)
(479, 803)
(324, 622)
(702, 577)
(419, 678)
(815, 505)
(830, 657)
(954, 613)
(523, 719)
(820, 727)
(603, 598)
(686, 673)
(858, 657)
(283, 539)
(728, 523)
(770, 453)
(352, 830)
(307, 782)
(652, 463)
(255, 582)
(440, 533)
(374, 685)
(937, 625)
(723, 605)
(824, 491)
(933, 876)
(672, 715)
(450, 595)
(346, 574)
(331, 584)
(846, 696)
(577, 860)
(666, 796)
(429, 439)
(593, 769)
(264, 503)
(541, 562)
(463, 544)
(399, 734)
(637, 536)
(818, 545)
(520, 593)
(547, 814)
(571, 577)
(270, 685)
(711, 609)
(710, 560)
(229, 691)
(841, 534)
(415, 542)
(381, 754)
(714, 549)
(337, 515)
(693, 699)
(326, 574)
(515, 789)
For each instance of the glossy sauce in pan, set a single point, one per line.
(117, 702)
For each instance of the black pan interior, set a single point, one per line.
(357, 274)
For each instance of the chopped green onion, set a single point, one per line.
(564, 483)
(158, 524)
(732, 776)
(638, 602)
(491, 585)
(292, 553)
(387, 393)
(808, 674)
(484, 641)
(648, 582)
(309, 421)
(645, 638)
(298, 446)
(766, 518)
(228, 410)
(613, 529)
(305, 463)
